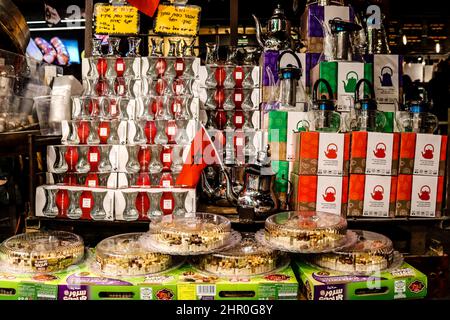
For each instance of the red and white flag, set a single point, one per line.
(147, 7)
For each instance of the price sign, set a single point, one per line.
(177, 20)
(116, 20)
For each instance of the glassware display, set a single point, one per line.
(41, 252)
(304, 232)
(246, 258)
(98, 211)
(74, 211)
(155, 199)
(181, 138)
(180, 203)
(187, 51)
(372, 252)
(61, 164)
(105, 164)
(130, 212)
(132, 164)
(211, 64)
(155, 165)
(50, 209)
(161, 137)
(83, 164)
(122, 255)
(200, 234)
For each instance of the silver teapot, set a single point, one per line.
(278, 33)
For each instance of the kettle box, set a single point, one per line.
(422, 154)
(419, 196)
(342, 77)
(319, 193)
(320, 153)
(404, 282)
(371, 196)
(374, 153)
(313, 19)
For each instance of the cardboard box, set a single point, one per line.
(84, 131)
(194, 285)
(405, 282)
(319, 153)
(422, 154)
(280, 126)
(371, 196)
(142, 198)
(320, 193)
(387, 75)
(342, 76)
(92, 180)
(419, 196)
(313, 18)
(374, 153)
(79, 282)
(78, 158)
(59, 201)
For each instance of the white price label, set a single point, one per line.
(86, 203)
(239, 75)
(92, 183)
(103, 132)
(238, 119)
(239, 141)
(179, 88)
(120, 67)
(179, 66)
(166, 184)
(171, 131)
(167, 204)
(238, 97)
(113, 109)
(93, 157)
(166, 157)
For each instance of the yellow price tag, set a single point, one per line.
(123, 20)
(177, 20)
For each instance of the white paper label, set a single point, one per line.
(179, 66)
(166, 184)
(93, 157)
(86, 203)
(331, 154)
(238, 119)
(329, 194)
(428, 153)
(379, 153)
(386, 76)
(423, 198)
(377, 193)
(113, 107)
(239, 142)
(171, 130)
(296, 121)
(239, 75)
(349, 73)
(103, 132)
(179, 88)
(167, 204)
(166, 157)
(92, 183)
(120, 67)
(238, 97)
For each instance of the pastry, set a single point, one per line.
(372, 252)
(305, 231)
(40, 252)
(201, 233)
(246, 258)
(123, 255)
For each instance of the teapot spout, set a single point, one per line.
(259, 35)
(206, 187)
(231, 195)
(381, 80)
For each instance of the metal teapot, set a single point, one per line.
(386, 76)
(278, 34)
(341, 31)
(289, 76)
(217, 186)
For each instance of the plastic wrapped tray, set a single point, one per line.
(199, 234)
(246, 258)
(372, 252)
(305, 232)
(123, 255)
(41, 252)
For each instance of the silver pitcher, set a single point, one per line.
(278, 33)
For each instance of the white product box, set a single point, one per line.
(386, 73)
(349, 73)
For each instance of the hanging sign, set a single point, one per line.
(116, 20)
(177, 20)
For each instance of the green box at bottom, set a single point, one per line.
(404, 282)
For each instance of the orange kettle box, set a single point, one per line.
(374, 153)
(419, 196)
(320, 153)
(319, 193)
(371, 196)
(422, 154)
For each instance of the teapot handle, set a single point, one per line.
(316, 86)
(289, 51)
(369, 85)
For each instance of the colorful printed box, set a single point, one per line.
(371, 196)
(317, 153)
(342, 77)
(374, 153)
(320, 193)
(194, 285)
(419, 196)
(422, 154)
(404, 282)
(313, 19)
